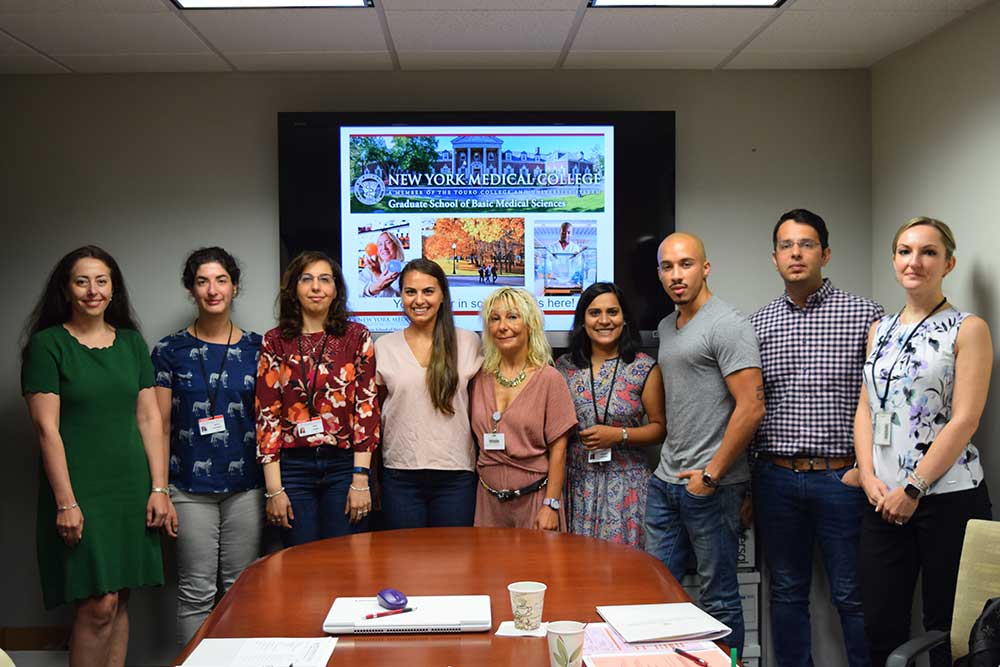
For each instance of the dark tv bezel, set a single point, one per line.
(645, 192)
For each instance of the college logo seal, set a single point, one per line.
(369, 189)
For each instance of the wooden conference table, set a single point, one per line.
(288, 594)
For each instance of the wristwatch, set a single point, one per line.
(553, 503)
(913, 491)
(708, 480)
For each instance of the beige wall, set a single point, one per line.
(936, 152)
(152, 166)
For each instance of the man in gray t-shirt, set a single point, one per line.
(714, 397)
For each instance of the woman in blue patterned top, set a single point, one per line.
(925, 386)
(205, 378)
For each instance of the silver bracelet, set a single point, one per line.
(920, 483)
(356, 488)
(268, 496)
(160, 489)
(624, 436)
(65, 508)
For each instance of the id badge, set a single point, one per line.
(210, 425)
(311, 427)
(599, 456)
(493, 442)
(883, 429)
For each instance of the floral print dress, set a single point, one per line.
(919, 398)
(607, 500)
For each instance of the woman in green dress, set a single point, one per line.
(88, 382)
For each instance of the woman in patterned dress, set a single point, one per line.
(618, 394)
(205, 389)
(925, 386)
(317, 407)
(103, 493)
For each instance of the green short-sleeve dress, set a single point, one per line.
(98, 389)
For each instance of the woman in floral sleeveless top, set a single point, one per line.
(926, 381)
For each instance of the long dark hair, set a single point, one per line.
(54, 306)
(289, 308)
(442, 371)
(579, 341)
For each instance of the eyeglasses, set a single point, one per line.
(804, 244)
(323, 278)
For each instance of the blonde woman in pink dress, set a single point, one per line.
(521, 416)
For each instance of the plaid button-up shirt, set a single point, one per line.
(811, 360)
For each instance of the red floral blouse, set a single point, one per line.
(344, 391)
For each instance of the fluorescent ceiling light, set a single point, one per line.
(268, 4)
(686, 3)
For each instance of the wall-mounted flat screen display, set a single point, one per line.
(547, 201)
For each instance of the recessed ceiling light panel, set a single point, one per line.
(767, 4)
(269, 4)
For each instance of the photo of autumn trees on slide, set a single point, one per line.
(477, 251)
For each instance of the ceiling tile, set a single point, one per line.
(324, 61)
(146, 62)
(668, 29)
(798, 60)
(873, 35)
(286, 30)
(481, 5)
(644, 59)
(452, 60)
(29, 63)
(16, 58)
(83, 34)
(886, 5)
(83, 7)
(480, 31)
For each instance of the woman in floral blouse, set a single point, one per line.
(926, 380)
(317, 411)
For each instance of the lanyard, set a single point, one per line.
(611, 392)
(201, 362)
(311, 378)
(888, 379)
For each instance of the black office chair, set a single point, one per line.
(978, 581)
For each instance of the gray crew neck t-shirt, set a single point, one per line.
(695, 361)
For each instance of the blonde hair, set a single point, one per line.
(521, 302)
(397, 243)
(947, 236)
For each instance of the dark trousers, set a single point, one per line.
(892, 556)
(316, 480)
(428, 498)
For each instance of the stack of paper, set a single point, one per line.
(662, 622)
(262, 652)
(603, 647)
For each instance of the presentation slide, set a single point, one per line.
(521, 206)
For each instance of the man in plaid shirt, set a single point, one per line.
(812, 344)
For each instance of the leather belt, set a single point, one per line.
(809, 463)
(503, 495)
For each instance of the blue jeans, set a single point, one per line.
(428, 498)
(316, 480)
(679, 523)
(794, 510)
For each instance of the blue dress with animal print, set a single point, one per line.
(194, 371)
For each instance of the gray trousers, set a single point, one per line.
(218, 536)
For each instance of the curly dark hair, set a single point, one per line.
(579, 342)
(289, 308)
(54, 306)
(205, 256)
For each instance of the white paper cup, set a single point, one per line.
(565, 643)
(526, 600)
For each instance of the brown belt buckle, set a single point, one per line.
(812, 465)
